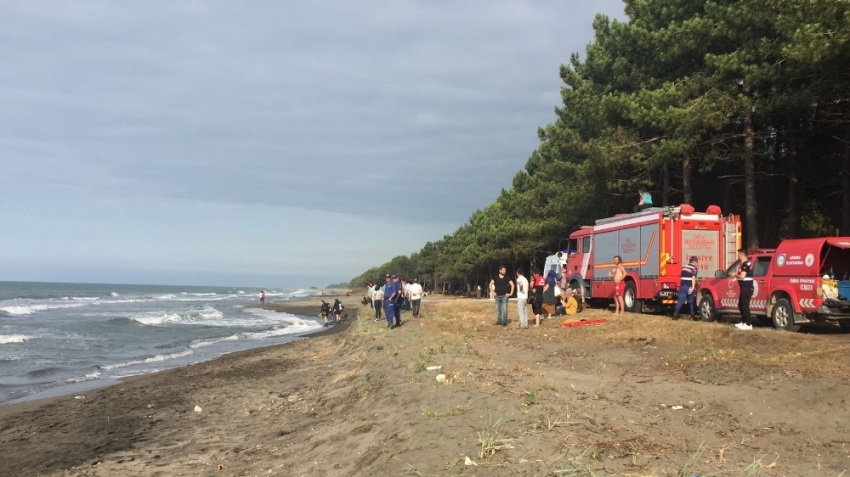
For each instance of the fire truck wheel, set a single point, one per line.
(633, 305)
(783, 316)
(707, 311)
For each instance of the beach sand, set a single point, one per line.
(547, 401)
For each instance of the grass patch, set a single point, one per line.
(430, 414)
(492, 439)
(421, 363)
(530, 398)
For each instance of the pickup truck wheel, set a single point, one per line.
(632, 304)
(707, 311)
(783, 316)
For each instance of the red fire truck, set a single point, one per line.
(653, 245)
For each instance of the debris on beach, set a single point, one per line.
(198, 409)
(79, 397)
(434, 368)
(469, 461)
(441, 378)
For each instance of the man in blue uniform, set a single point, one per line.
(389, 303)
(745, 283)
(687, 287)
(398, 295)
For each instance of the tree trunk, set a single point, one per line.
(845, 185)
(687, 186)
(751, 227)
(665, 186)
(793, 191)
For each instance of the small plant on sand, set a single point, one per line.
(421, 363)
(429, 413)
(530, 398)
(491, 438)
(448, 464)
(575, 464)
(461, 409)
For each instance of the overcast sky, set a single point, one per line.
(263, 143)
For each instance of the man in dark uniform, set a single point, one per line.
(745, 283)
(687, 287)
(389, 303)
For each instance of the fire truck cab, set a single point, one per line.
(653, 245)
(801, 281)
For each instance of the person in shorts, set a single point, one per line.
(619, 273)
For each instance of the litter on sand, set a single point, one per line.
(574, 323)
(434, 368)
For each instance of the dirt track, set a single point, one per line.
(546, 401)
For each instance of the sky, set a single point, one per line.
(263, 143)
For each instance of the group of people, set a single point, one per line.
(335, 312)
(744, 276)
(548, 295)
(393, 297)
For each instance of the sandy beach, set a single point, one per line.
(639, 395)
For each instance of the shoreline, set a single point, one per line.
(69, 390)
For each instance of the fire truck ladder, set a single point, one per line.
(730, 232)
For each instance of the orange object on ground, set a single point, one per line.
(574, 323)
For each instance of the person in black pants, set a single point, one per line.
(745, 283)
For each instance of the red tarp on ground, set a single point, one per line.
(570, 324)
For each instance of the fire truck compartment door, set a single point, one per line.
(705, 245)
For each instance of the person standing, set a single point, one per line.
(262, 296)
(378, 301)
(415, 292)
(687, 287)
(389, 302)
(397, 298)
(538, 283)
(502, 287)
(478, 291)
(405, 287)
(745, 283)
(619, 273)
(521, 298)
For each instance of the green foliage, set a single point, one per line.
(679, 98)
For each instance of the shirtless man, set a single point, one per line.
(619, 273)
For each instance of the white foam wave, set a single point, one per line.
(30, 309)
(294, 327)
(8, 339)
(114, 294)
(87, 377)
(82, 298)
(205, 316)
(167, 296)
(153, 359)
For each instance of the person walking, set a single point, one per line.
(746, 286)
(502, 287)
(415, 297)
(521, 298)
(687, 287)
(378, 301)
(619, 273)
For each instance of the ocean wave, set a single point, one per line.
(299, 326)
(31, 309)
(87, 377)
(153, 359)
(81, 298)
(9, 339)
(114, 294)
(203, 315)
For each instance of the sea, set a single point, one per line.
(57, 338)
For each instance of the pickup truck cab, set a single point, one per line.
(801, 281)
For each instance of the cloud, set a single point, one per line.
(324, 106)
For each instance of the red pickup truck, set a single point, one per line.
(801, 281)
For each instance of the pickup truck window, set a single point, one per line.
(731, 271)
(761, 267)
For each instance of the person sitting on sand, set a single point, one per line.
(571, 304)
